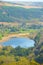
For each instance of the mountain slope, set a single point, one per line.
(19, 14)
(39, 47)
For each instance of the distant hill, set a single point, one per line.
(11, 13)
(23, 3)
(30, 3)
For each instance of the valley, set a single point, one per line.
(21, 33)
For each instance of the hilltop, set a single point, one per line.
(22, 4)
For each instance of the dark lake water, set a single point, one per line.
(22, 42)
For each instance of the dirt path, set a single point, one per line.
(5, 38)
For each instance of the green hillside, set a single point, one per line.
(19, 14)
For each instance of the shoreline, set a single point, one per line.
(7, 37)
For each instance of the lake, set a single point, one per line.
(22, 42)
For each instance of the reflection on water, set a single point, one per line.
(22, 42)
